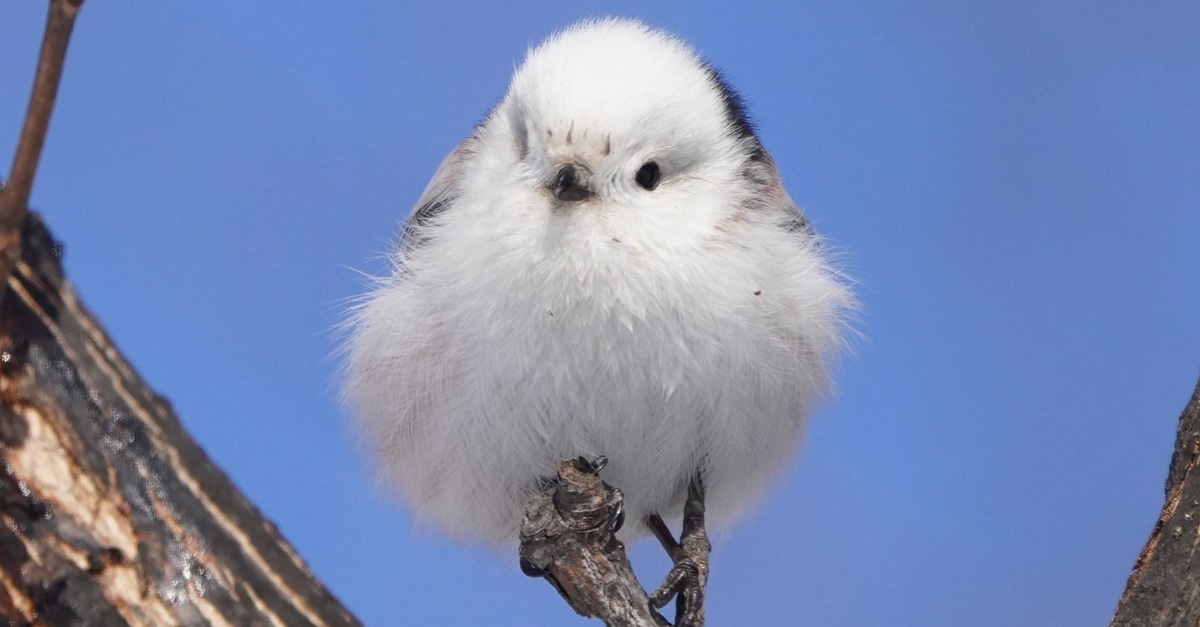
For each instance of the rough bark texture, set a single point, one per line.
(1164, 588)
(110, 513)
(567, 533)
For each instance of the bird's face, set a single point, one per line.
(632, 135)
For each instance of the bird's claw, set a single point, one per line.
(616, 515)
(596, 465)
(688, 578)
(686, 583)
(530, 569)
(683, 576)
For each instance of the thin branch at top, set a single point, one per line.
(14, 197)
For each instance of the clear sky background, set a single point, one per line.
(1016, 185)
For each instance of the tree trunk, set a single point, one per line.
(1164, 588)
(109, 512)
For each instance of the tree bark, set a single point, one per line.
(568, 534)
(109, 512)
(1164, 588)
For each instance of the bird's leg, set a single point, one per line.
(689, 576)
(665, 537)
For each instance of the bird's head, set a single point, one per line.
(616, 118)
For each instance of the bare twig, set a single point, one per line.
(14, 197)
(567, 534)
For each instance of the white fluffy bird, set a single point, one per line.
(610, 266)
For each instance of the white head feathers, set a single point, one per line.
(621, 87)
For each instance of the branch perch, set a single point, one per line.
(568, 535)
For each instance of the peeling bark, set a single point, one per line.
(109, 512)
(1164, 588)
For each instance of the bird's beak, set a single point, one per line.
(570, 183)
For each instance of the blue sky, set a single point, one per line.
(1016, 187)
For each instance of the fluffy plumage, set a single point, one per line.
(677, 329)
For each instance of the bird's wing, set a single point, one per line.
(765, 174)
(438, 195)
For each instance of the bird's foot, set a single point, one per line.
(685, 583)
(688, 578)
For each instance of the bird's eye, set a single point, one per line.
(648, 175)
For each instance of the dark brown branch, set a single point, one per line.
(1164, 588)
(14, 196)
(567, 533)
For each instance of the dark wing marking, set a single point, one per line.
(438, 196)
(798, 222)
(760, 168)
(763, 175)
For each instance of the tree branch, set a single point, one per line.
(14, 195)
(568, 535)
(110, 513)
(1164, 588)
